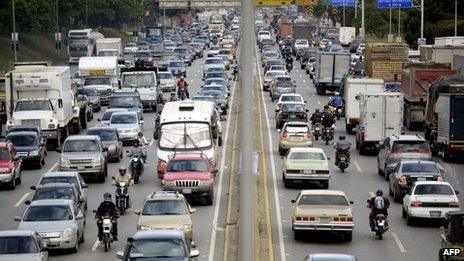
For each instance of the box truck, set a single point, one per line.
(330, 68)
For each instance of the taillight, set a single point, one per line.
(298, 218)
(453, 204)
(284, 135)
(416, 204)
(312, 219)
(336, 219)
(350, 219)
(308, 135)
(440, 178)
(363, 134)
(322, 171)
(402, 180)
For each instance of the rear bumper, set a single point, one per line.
(425, 212)
(291, 144)
(314, 226)
(318, 177)
(6, 178)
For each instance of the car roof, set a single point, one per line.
(58, 184)
(83, 137)
(102, 128)
(124, 113)
(291, 94)
(418, 162)
(297, 123)
(22, 133)
(431, 182)
(306, 149)
(60, 174)
(12, 233)
(407, 137)
(115, 110)
(165, 195)
(184, 156)
(161, 233)
(51, 202)
(322, 192)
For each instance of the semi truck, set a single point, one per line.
(416, 79)
(40, 95)
(381, 115)
(154, 33)
(444, 124)
(100, 72)
(330, 68)
(109, 47)
(81, 43)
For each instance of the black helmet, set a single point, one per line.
(379, 193)
(342, 137)
(326, 107)
(107, 196)
(122, 170)
(317, 109)
(136, 142)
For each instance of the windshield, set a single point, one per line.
(188, 136)
(433, 189)
(213, 61)
(108, 53)
(290, 98)
(18, 245)
(138, 80)
(336, 200)
(143, 55)
(54, 193)
(124, 101)
(215, 94)
(104, 134)
(48, 180)
(410, 146)
(131, 45)
(306, 156)
(176, 64)
(165, 207)
(22, 140)
(164, 76)
(80, 146)
(215, 81)
(97, 81)
(296, 128)
(36, 105)
(107, 115)
(187, 165)
(90, 91)
(292, 107)
(124, 119)
(216, 75)
(162, 248)
(48, 213)
(420, 168)
(181, 50)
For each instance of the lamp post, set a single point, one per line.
(14, 35)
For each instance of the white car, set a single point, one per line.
(211, 62)
(301, 43)
(213, 50)
(130, 48)
(167, 82)
(269, 76)
(430, 200)
(263, 35)
(290, 98)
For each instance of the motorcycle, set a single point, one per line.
(157, 126)
(182, 94)
(136, 166)
(122, 196)
(328, 135)
(380, 225)
(107, 238)
(317, 130)
(343, 161)
(289, 67)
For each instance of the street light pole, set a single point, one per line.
(363, 29)
(455, 17)
(13, 38)
(422, 19)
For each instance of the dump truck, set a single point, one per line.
(416, 79)
(385, 60)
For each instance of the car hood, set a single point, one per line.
(23, 115)
(307, 164)
(46, 226)
(106, 144)
(187, 175)
(22, 257)
(80, 154)
(125, 126)
(165, 221)
(93, 98)
(324, 210)
(167, 81)
(26, 148)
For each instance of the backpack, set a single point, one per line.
(379, 203)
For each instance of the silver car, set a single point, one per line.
(24, 245)
(128, 125)
(105, 119)
(72, 177)
(59, 221)
(110, 140)
(167, 82)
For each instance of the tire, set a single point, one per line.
(82, 240)
(357, 144)
(209, 198)
(404, 214)
(386, 175)
(348, 236)
(84, 121)
(409, 220)
(102, 178)
(76, 247)
(362, 149)
(12, 184)
(379, 171)
(320, 91)
(19, 179)
(297, 235)
(397, 198)
(390, 192)
(106, 242)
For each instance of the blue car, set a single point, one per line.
(177, 68)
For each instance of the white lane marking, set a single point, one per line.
(304, 81)
(318, 102)
(151, 142)
(301, 76)
(358, 168)
(195, 75)
(53, 167)
(398, 242)
(22, 199)
(191, 80)
(95, 245)
(212, 244)
(274, 181)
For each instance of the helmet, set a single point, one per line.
(182, 77)
(379, 193)
(122, 170)
(136, 142)
(342, 137)
(107, 196)
(317, 109)
(140, 134)
(326, 107)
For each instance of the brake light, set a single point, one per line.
(298, 218)
(308, 135)
(402, 180)
(336, 219)
(284, 135)
(349, 219)
(453, 204)
(363, 134)
(440, 178)
(416, 204)
(322, 171)
(312, 219)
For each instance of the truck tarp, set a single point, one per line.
(444, 84)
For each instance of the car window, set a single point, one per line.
(18, 245)
(124, 119)
(410, 146)
(4, 154)
(81, 145)
(306, 156)
(54, 193)
(47, 180)
(296, 128)
(292, 107)
(290, 98)
(104, 134)
(337, 200)
(418, 167)
(164, 248)
(48, 213)
(22, 140)
(433, 189)
(187, 165)
(165, 207)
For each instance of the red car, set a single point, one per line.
(10, 165)
(190, 174)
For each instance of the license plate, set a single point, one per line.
(324, 220)
(187, 191)
(292, 117)
(421, 179)
(435, 214)
(97, 72)
(80, 167)
(297, 138)
(308, 172)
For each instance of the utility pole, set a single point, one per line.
(363, 28)
(422, 19)
(455, 17)
(14, 36)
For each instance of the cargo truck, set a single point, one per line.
(444, 124)
(109, 47)
(145, 82)
(346, 35)
(439, 53)
(154, 33)
(385, 60)
(330, 68)
(38, 94)
(100, 72)
(81, 43)
(381, 115)
(451, 40)
(416, 79)
(303, 31)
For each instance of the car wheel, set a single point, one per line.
(19, 179)
(12, 184)
(209, 198)
(297, 235)
(409, 220)
(379, 171)
(76, 247)
(362, 149)
(82, 239)
(386, 174)
(404, 214)
(397, 198)
(287, 183)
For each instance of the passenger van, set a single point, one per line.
(188, 126)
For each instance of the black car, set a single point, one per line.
(36, 129)
(94, 97)
(410, 171)
(29, 147)
(290, 112)
(58, 191)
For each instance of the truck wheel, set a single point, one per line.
(446, 155)
(320, 91)
(209, 198)
(362, 149)
(349, 128)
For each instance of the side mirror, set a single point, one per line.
(276, 110)
(351, 202)
(15, 158)
(27, 202)
(58, 149)
(33, 187)
(141, 122)
(307, 110)
(17, 218)
(457, 192)
(81, 200)
(120, 254)
(292, 201)
(94, 211)
(112, 177)
(105, 149)
(193, 210)
(194, 253)
(328, 158)
(215, 171)
(137, 211)
(43, 144)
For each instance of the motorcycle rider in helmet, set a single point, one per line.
(342, 147)
(123, 176)
(378, 205)
(182, 85)
(327, 119)
(107, 208)
(137, 151)
(316, 117)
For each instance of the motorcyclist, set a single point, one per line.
(378, 205)
(327, 119)
(182, 85)
(316, 117)
(236, 69)
(142, 140)
(107, 208)
(172, 97)
(123, 177)
(137, 151)
(336, 101)
(342, 147)
(289, 59)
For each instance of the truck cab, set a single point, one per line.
(126, 99)
(143, 80)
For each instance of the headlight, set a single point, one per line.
(185, 226)
(33, 153)
(64, 161)
(206, 182)
(144, 227)
(5, 170)
(67, 233)
(97, 160)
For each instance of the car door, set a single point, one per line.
(382, 151)
(80, 222)
(393, 178)
(83, 186)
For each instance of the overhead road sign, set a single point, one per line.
(173, 4)
(343, 2)
(326, 2)
(306, 2)
(389, 4)
(215, 3)
(273, 2)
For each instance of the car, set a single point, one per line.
(190, 174)
(290, 98)
(59, 221)
(22, 245)
(300, 44)
(143, 46)
(271, 54)
(215, 68)
(310, 65)
(407, 172)
(329, 256)
(166, 210)
(225, 60)
(209, 62)
(128, 125)
(281, 84)
(130, 48)
(170, 244)
(323, 43)
(322, 210)
(279, 67)
(294, 134)
(185, 54)
(177, 68)
(36, 129)
(72, 177)
(305, 164)
(10, 165)
(228, 53)
(169, 47)
(269, 76)
(29, 147)
(94, 97)
(429, 200)
(84, 154)
(217, 81)
(401, 147)
(110, 140)
(219, 97)
(290, 111)
(216, 87)
(58, 191)
(198, 47)
(213, 51)
(167, 82)
(336, 48)
(222, 75)
(145, 56)
(105, 119)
